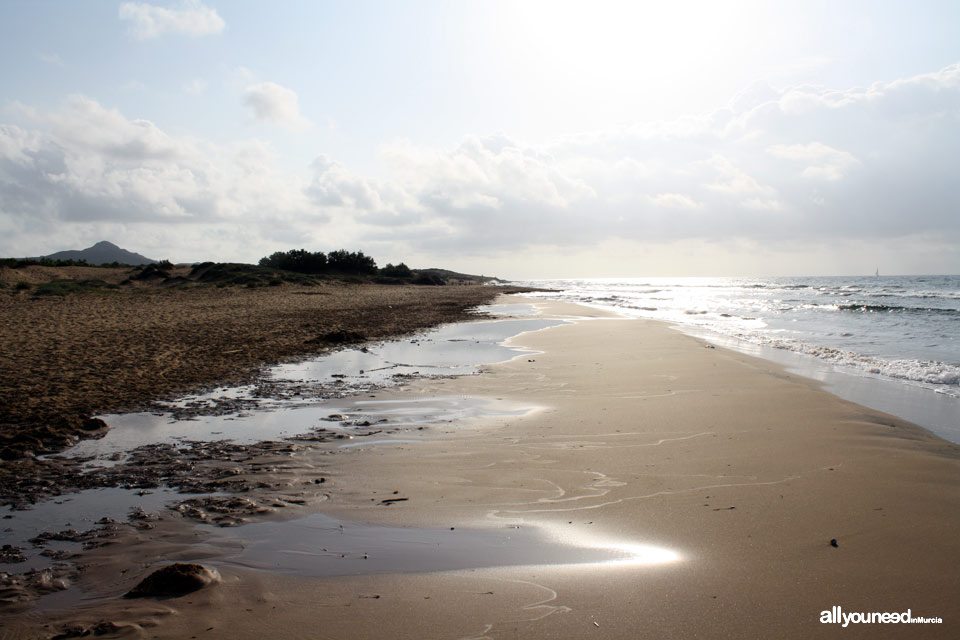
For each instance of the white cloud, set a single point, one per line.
(191, 18)
(244, 75)
(196, 86)
(85, 168)
(272, 102)
(793, 165)
(761, 204)
(781, 169)
(821, 160)
(334, 186)
(490, 172)
(733, 180)
(674, 201)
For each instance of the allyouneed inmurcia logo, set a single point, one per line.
(837, 616)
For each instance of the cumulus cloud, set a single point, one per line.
(674, 201)
(799, 164)
(191, 18)
(85, 167)
(819, 160)
(485, 172)
(334, 186)
(274, 103)
(777, 168)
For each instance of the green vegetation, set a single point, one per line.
(429, 279)
(64, 287)
(19, 263)
(341, 262)
(224, 274)
(297, 260)
(396, 271)
(297, 266)
(351, 262)
(354, 266)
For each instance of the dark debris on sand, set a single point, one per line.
(188, 467)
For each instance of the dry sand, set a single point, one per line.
(644, 436)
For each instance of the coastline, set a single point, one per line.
(643, 435)
(892, 329)
(922, 406)
(68, 358)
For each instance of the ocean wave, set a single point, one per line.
(928, 372)
(908, 327)
(893, 308)
(915, 295)
(602, 299)
(942, 295)
(925, 371)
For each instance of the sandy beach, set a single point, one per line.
(68, 357)
(739, 501)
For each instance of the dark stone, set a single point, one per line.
(174, 580)
(10, 554)
(89, 424)
(834, 543)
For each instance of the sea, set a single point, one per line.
(888, 342)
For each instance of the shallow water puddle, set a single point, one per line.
(307, 393)
(456, 349)
(321, 545)
(344, 416)
(79, 511)
(513, 309)
(326, 397)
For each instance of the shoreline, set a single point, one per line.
(889, 329)
(927, 408)
(67, 359)
(645, 436)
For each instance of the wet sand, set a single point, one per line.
(742, 474)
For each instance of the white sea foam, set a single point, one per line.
(900, 328)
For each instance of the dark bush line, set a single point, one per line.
(17, 263)
(224, 274)
(297, 266)
(317, 263)
(344, 263)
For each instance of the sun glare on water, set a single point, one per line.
(640, 554)
(622, 554)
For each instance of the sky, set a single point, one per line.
(522, 139)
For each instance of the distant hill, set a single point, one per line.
(102, 253)
(448, 275)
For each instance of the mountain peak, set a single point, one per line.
(102, 253)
